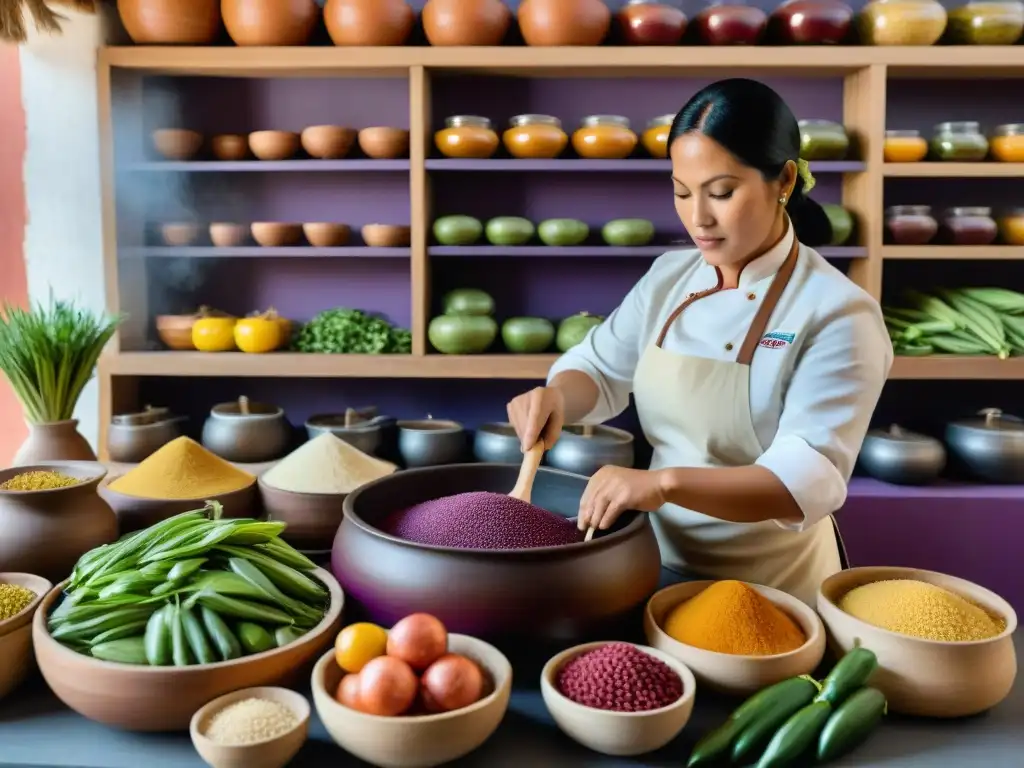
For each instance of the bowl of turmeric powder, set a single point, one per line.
(736, 637)
(20, 595)
(944, 644)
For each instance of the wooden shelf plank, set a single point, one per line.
(954, 252)
(592, 251)
(270, 166)
(954, 170)
(629, 165)
(980, 367)
(256, 251)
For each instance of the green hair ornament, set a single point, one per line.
(803, 168)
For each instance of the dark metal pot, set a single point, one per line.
(549, 593)
(990, 447)
(584, 449)
(902, 457)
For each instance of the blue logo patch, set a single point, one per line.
(777, 339)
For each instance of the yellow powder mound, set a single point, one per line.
(326, 464)
(922, 610)
(730, 617)
(182, 469)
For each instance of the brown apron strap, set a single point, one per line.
(768, 304)
(679, 310)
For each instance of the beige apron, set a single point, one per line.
(695, 412)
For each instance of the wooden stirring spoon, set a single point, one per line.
(528, 472)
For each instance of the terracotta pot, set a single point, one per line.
(564, 22)
(466, 22)
(281, 22)
(162, 22)
(56, 441)
(369, 22)
(45, 532)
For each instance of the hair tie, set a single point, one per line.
(803, 168)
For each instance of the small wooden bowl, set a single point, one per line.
(274, 145)
(313, 518)
(177, 143)
(230, 146)
(23, 618)
(732, 673)
(16, 659)
(386, 235)
(135, 512)
(179, 234)
(620, 734)
(269, 753)
(383, 143)
(327, 142)
(926, 678)
(276, 234)
(326, 234)
(176, 331)
(224, 234)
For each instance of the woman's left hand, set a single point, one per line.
(613, 490)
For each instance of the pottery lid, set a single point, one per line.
(897, 433)
(430, 424)
(244, 409)
(597, 432)
(150, 415)
(992, 420)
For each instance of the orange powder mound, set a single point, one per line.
(730, 617)
(182, 469)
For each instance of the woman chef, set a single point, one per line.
(754, 364)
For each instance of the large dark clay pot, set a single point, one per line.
(550, 593)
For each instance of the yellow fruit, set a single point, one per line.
(214, 334)
(358, 644)
(257, 335)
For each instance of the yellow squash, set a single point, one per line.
(214, 334)
(259, 334)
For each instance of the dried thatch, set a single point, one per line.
(16, 14)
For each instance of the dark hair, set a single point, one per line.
(753, 122)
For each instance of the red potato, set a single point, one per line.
(419, 640)
(452, 682)
(348, 692)
(387, 687)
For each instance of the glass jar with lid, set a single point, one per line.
(969, 226)
(651, 22)
(811, 22)
(1007, 143)
(537, 137)
(904, 147)
(960, 142)
(604, 137)
(902, 22)
(655, 136)
(986, 22)
(730, 22)
(467, 137)
(1011, 226)
(823, 140)
(910, 224)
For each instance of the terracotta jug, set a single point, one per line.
(564, 22)
(466, 22)
(45, 532)
(369, 22)
(56, 441)
(277, 22)
(163, 22)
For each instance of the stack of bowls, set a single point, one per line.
(16, 659)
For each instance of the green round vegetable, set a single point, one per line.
(841, 221)
(572, 330)
(628, 233)
(457, 230)
(462, 334)
(468, 301)
(509, 230)
(563, 232)
(527, 335)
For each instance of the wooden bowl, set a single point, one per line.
(135, 512)
(16, 658)
(732, 673)
(269, 753)
(23, 618)
(383, 143)
(144, 698)
(326, 234)
(230, 146)
(416, 741)
(313, 518)
(177, 143)
(276, 234)
(274, 145)
(386, 235)
(179, 234)
(176, 331)
(617, 733)
(225, 234)
(327, 142)
(926, 678)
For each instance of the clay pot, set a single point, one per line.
(564, 22)
(56, 441)
(369, 22)
(163, 22)
(282, 22)
(466, 22)
(45, 532)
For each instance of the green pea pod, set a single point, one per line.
(254, 638)
(158, 638)
(227, 644)
(198, 643)
(285, 635)
(286, 554)
(118, 633)
(180, 653)
(256, 577)
(127, 650)
(796, 736)
(89, 628)
(288, 580)
(240, 609)
(185, 568)
(851, 724)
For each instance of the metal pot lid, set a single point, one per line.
(992, 420)
(897, 433)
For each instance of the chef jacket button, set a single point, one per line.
(728, 346)
(751, 296)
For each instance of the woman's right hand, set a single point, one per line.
(538, 415)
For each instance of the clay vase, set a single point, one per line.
(45, 532)
(369, 22)
(56, 441)
(277, 22)
(466, 22)
(166, 22)
(564, 22)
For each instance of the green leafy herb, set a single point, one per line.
(351, 332)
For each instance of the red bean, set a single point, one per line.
(621, 678)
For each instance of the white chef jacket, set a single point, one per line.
(814, 380)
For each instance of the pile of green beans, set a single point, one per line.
(192, 589)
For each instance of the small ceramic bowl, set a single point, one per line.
(225, 234)
(135, 512)
(230, 146)
(177, 143)
(179, 234)
(416, 741)
(431, 442)
(730, 673)
(276, 234)
(327, 142)
(31, 582)
(269, 753)
(176, 331)
(926, 678)
(497, 444)
(386, 235)
(16, 659)
(274, 145)
(326, 234)
(384, 143)
(312, 518)
(617, 733)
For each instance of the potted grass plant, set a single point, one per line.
(48, 353)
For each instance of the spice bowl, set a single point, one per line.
(275, 752)
(430, 442)
(176, 331)
(384, 143)
(226, 234)
(620, 734)
(919, 677)
(327, 142)
(177, 143)
(326, 234)
(16, 658)
(276, 234)
(736, 674)
(136, 512)
(312, 518)
(179, 234)
(416, 741)
(274, 145)
(497, 443)
(386, 235)
(230, 147)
